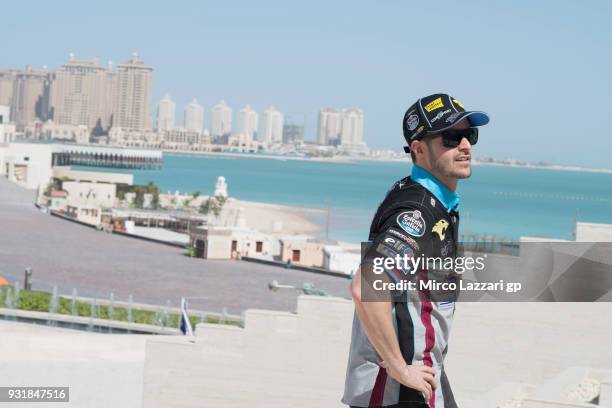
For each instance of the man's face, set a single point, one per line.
(449, 162)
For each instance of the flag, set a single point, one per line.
(185, 323)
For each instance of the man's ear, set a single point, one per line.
(416, 146)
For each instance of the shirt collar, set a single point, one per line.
(450, 199)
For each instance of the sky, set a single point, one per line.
(542, 70)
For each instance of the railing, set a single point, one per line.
(102, 315)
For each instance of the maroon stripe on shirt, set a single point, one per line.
(430, 334)
(378, 392)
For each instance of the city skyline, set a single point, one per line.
(530, 81)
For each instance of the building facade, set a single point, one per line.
(134, 95)
(194, 116)
(247, 122)
(166, 111)
(8, 77)
(271, 131)
(221, 119)
(352, 127)
(82, 93)
(330, 125)
(293, 133)
(30, 98)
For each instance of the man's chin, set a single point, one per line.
(462, 172)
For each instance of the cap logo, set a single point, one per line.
(452, 117)
(439, 115)
(435, 104)
(459, 104)
(412, 122)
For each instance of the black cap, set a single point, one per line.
(435, 113)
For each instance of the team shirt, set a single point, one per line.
(417, 218)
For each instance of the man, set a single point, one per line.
(399, 339)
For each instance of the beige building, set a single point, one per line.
(169, 139)
(148, 139)
(221, 123)
(247, 121)
(302, 251)
(194, 116)
(26, 164)
(82, 93)
(166, 111)
(8, 78)
(134, 95)
(30, 99)
(184, 138)
(85, 200)
(215, 242)
(271, 131)
(7, 129)
(352, 127)
(50, 130)
(330, 124)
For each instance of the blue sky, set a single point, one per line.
(540, 69)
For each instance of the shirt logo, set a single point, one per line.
(440, 228)
(412, 222)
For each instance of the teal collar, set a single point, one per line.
(449, 198)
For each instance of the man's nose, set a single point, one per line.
(465, 145)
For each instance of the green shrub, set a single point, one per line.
(40, 302)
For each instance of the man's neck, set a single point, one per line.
(449, 182)
(436, 186)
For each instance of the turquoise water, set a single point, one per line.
(503, 201)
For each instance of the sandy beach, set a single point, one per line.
(275, 218)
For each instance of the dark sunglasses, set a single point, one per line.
(453, 137)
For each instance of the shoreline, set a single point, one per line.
(278, 219)
(353, 160)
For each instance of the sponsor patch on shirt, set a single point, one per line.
(410, 241)
(386, 251)
(412, 222)
(440, 228)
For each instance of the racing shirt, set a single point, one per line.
(417, 218)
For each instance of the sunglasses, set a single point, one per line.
(453, 137)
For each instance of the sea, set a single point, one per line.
(500, 202)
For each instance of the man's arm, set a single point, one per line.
(377, 321)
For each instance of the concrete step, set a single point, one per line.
(605, 392)
(506, 395)
(573, 387)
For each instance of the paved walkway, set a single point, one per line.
(69, 255)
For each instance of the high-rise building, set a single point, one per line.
(247, 122)
(221, 119)
(82, 93)
(8, 78)
(330, 124)
(134, 95)
(30, 100)
(166, 110)
(352, 127)
(194, 116)
(293, 133)
(271, 131)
